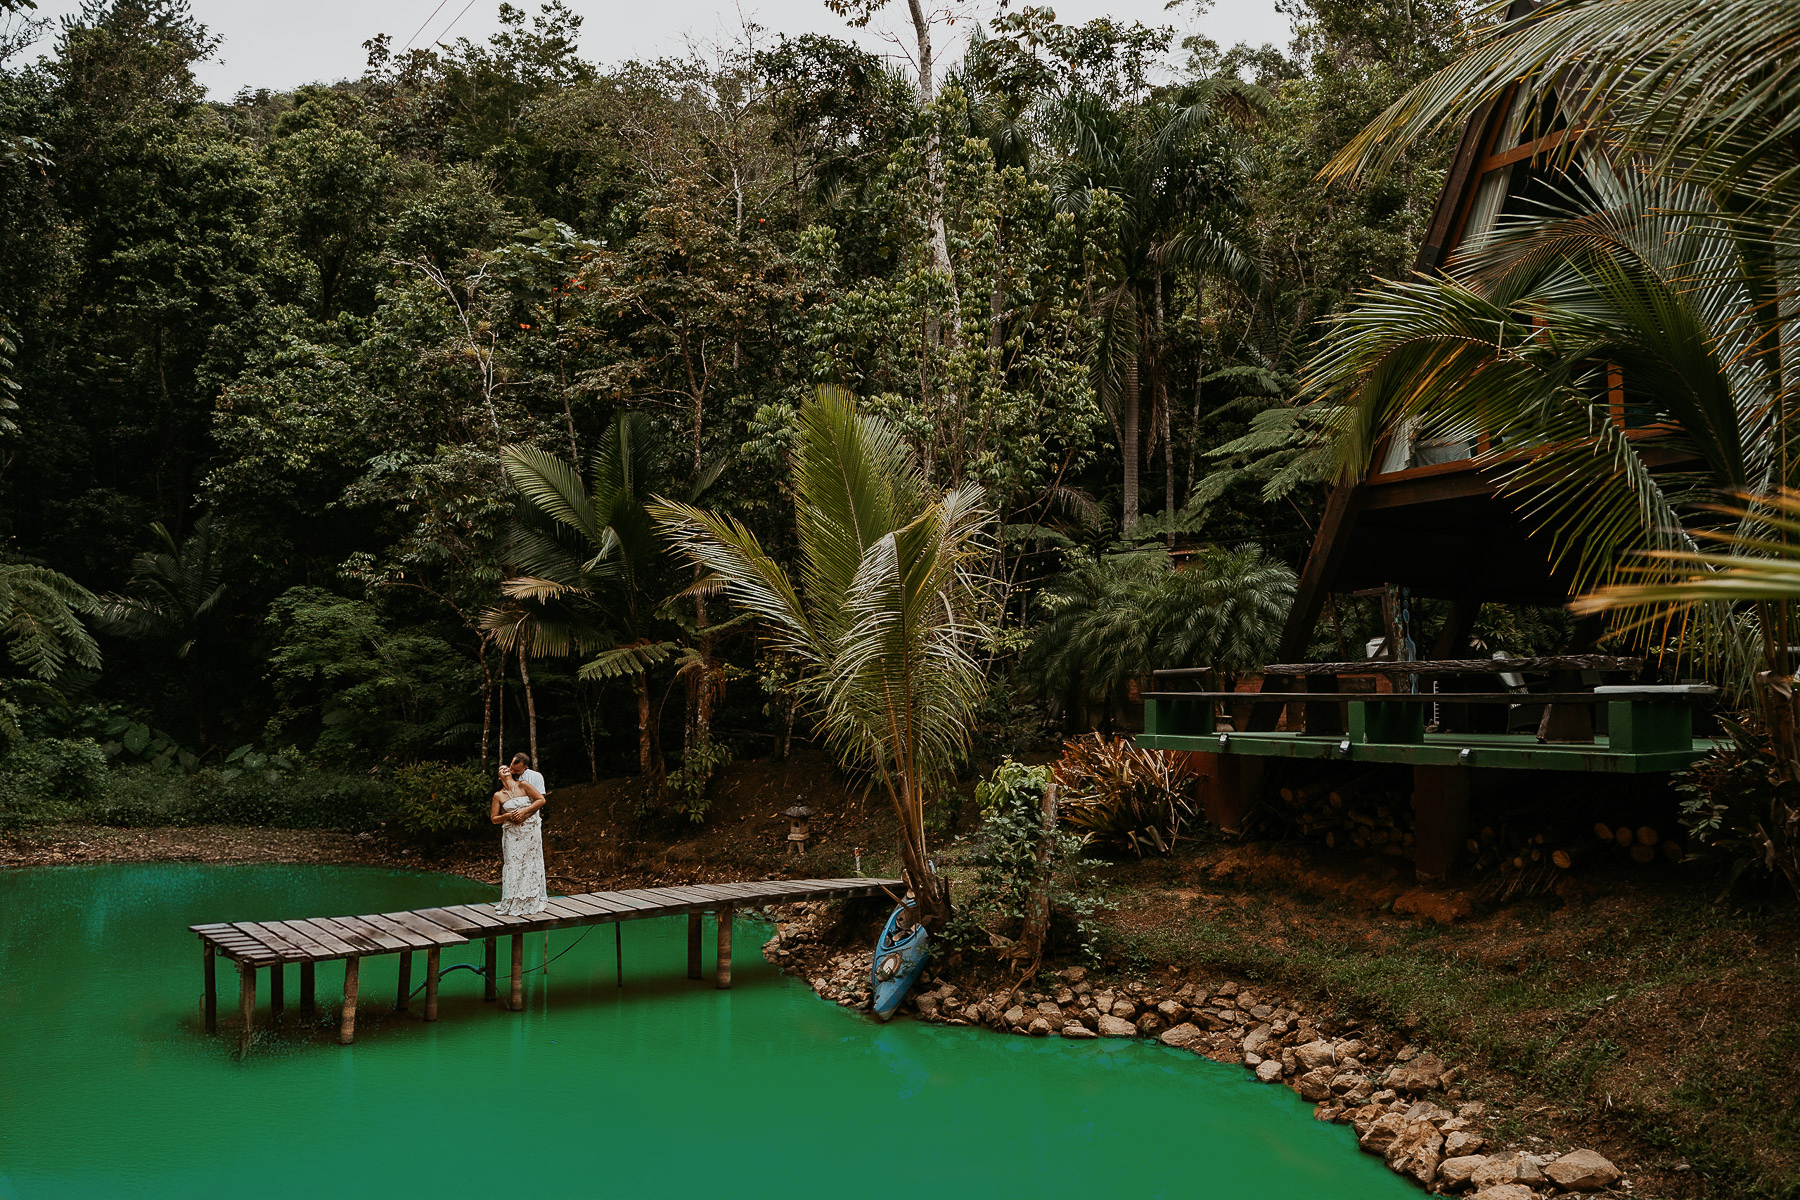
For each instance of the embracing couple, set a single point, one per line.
(515, 810)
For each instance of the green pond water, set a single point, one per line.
(665, 1087)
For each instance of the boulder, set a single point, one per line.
(1256, 1039)
(1314, 1055)
(1509, 1167)
(1053, 1011)
(1268, 1071)
(1173, 1011)
(1227, 989)
(1183, 1037)
(1345, 1081)
(1073, 974)
(1116, 1027)
(1150, 1024)
(928, 1005)
(1039, 1027)
(1316, 1085)
(1014, 1015)
(1125, 1010)
(1417, 1152)
(1582, 1171)
(1505, 1191)
(1418, 1074)
(1073, 1030)
(1367, 1115)
(1382, 1133)
(1454, 1173)
(1463, 1142)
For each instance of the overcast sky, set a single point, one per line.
(282, 43)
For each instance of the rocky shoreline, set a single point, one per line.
(1404, 1103)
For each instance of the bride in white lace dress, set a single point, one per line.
(515, 810)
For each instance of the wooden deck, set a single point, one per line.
(306, 942)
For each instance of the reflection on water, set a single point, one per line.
(665, 1087)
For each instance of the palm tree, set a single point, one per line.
(1111, 620)
(173, 598)
(886, 614)
(591, 570)
(1148, 160)
(1517, 347)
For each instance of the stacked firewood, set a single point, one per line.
(1370, 811)
(1642, 844)
(1528, 861)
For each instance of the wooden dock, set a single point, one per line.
(272, 945)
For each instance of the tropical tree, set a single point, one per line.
(41, 618)
(1113, 619)
(1160, 161)
(590, 568)
(887, 612)
(173, 599)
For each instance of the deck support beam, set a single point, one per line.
(1440, 801)
(431, 982)
(246, 1005)
(405, 981)
(1229, 786)
(347, 1024)
(518, 972)
(309, 1004)
(694, 945)
(277, 1001)
(722, 971)
(209, 1005)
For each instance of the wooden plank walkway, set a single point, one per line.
(308, 941)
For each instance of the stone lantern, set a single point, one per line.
(799, 818)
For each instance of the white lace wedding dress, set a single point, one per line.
(522, 889)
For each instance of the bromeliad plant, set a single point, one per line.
(1122, 795)
(885, 617)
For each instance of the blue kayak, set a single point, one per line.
(900, 955)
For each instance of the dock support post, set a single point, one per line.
(490, 990)
(518, 972)
(309, 1006)
(277, 1001)
(1229, 787)
(246, 1004)
(210, 1005)
(405, 981)
(619, 953)
(1440, 802)
(431, 983)
(347, 1027)
(722, 975)
(693, 945)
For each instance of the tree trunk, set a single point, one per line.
(1128, 439)
(934, 162)
(647, 764)
(530, 706)
(487, 703)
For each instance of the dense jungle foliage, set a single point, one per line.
(289, 379)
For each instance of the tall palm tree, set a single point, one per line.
(886, 614)
(591, 569)
(1171, 218)
(173, 598)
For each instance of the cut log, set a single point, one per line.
(1647, 836)
(1625, 835)
(1565, 857)
(1673, 850)
(1603, 831)
(1643, 854)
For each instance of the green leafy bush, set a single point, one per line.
(438, 802)
(137, 796)
(1016, 862)
(1742, 805)
(50, 779)
(688, 788)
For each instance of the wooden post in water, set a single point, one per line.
(210, 1005)
(491, 989)
(431, 983)
(619, 953)
(347, 1026)
(722, 974)
(277, 1001)
(518, 972)
(693, 945)
(309, 1007)
(246, 1004)
(405, 981)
